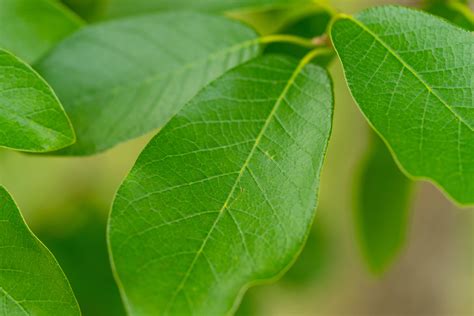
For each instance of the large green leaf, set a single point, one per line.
(383, 196)
(31, 117)
(29, 28)
(121, 79)
(412, 75)
(225, 194)
(129, 7)
(31, 281)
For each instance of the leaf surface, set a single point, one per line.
(412, 75)
(31, 281)
(31, 117)
(31, 27)
(143, 68)
(129, 7)
(225, 194)
(383, 196)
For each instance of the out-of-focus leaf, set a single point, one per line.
(89, 10)
(29, 28)
(383, 196)
(31, 117)
(313, 261)
(249, 306)
(455, 11)
(31, 281)
(82, 252)
(128, 77)
(130, 7)
(225, 194)
(412, 75)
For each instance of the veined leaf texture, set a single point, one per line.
(224, 196)
(140, 80)
(412, 75)
(31, 116)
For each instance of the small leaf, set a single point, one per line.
(412, 75)
(31, 281)
(143, 68)
(225, 194)
(31, 27)
(31, 117)
(129, 7)
(383, 196)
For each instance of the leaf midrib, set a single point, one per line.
(271, 115)
(160, 76)
(407, 66)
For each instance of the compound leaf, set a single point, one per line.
(31, 117)
(128, 77)
(31, 281)
(225, 194)
(383, 196)
(31, 27)
(412, 75)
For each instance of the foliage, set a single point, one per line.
(224, 195)
(31, 117)
(382, 206)
(32, 283)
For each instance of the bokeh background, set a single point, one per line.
(66, 202)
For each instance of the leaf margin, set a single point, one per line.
(439, 186)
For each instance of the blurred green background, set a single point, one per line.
(66, 202)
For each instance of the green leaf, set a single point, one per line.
(455, 11)
(383, 196)
(89, 10)
(411, 74)
(130, 7)
(32, 27)
(31, 281)
(31, 117)
(144, 70)
(224, 196)
(77, 241)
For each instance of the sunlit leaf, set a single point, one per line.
(412, 75)
(31, 281)
(128, 77)
(31, 117)
(225, 194)
(383, 196)
(29, 28)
